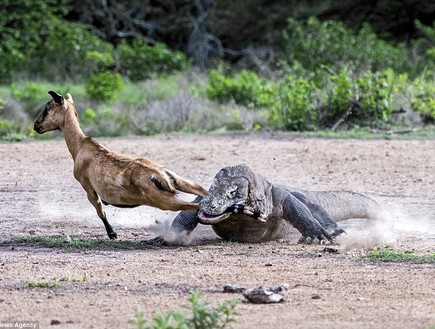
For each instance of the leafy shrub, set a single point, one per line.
(202, 316)
(245, 88)
(63, 53)
(294, 109)
(423, 49)
(331, 43)
(423, 101)
(340, 96)
(37, 42)
(23, 25)
(104, 85)
(366, 98)
(298, 103)
(103, 60)
(375, 94)
(140, 60)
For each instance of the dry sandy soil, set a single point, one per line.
(39, 197)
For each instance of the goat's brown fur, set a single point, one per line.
(109, 177)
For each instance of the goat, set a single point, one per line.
(108, 177)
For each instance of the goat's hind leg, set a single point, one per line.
(185, 185)
(96, 202)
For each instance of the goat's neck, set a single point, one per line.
(72, 132)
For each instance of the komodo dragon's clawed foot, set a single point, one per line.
(335, 231)
(249, 211)
(311, 240)
(323, 237)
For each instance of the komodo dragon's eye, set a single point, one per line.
(232, 192)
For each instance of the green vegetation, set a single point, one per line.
(388, 255)
(140, 60)
(42, 284)
(55, 282)
(76, 244)
(202, 316)
(326, 74)
(313, 43)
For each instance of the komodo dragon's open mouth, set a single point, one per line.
(212, 219)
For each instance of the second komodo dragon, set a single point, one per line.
(243, 206)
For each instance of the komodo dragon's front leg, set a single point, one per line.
(312, 221)
(187, 220)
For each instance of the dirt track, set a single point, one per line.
(39, 197)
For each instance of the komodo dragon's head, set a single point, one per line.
(237, 185)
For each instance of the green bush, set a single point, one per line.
(331, 43)
(375, 94)
(320, 101)
(57, 54)
(423, 101)
(140, 60)
(423, 49)
(341, 96)
(23, 27)
(245, 88)
(366, 98)
(103, 60)
(294, 109)
(103, 86)
(63, 53)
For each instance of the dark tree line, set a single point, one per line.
(236, 28)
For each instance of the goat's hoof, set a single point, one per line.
(113, 236)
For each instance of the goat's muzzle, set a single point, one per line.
(38, 128)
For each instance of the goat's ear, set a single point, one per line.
(69, 98)
(57, 98)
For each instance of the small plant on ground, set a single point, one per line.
(202, 316)
(389, 255)
(42, 284)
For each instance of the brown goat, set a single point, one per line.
(118, 180)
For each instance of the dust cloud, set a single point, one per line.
(392, 226)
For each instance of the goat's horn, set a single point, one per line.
(57, 98)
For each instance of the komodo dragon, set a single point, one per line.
(243, 206)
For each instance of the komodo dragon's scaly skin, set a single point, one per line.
(243, 206)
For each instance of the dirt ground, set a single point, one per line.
(40, 197)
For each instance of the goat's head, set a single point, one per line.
(53, 115)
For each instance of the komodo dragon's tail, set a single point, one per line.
(345, 205)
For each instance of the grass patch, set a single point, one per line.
(42, 284)
(75, 244)
(202, 316)
(387, 255)
(55, 282)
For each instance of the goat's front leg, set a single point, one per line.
(96, 202)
